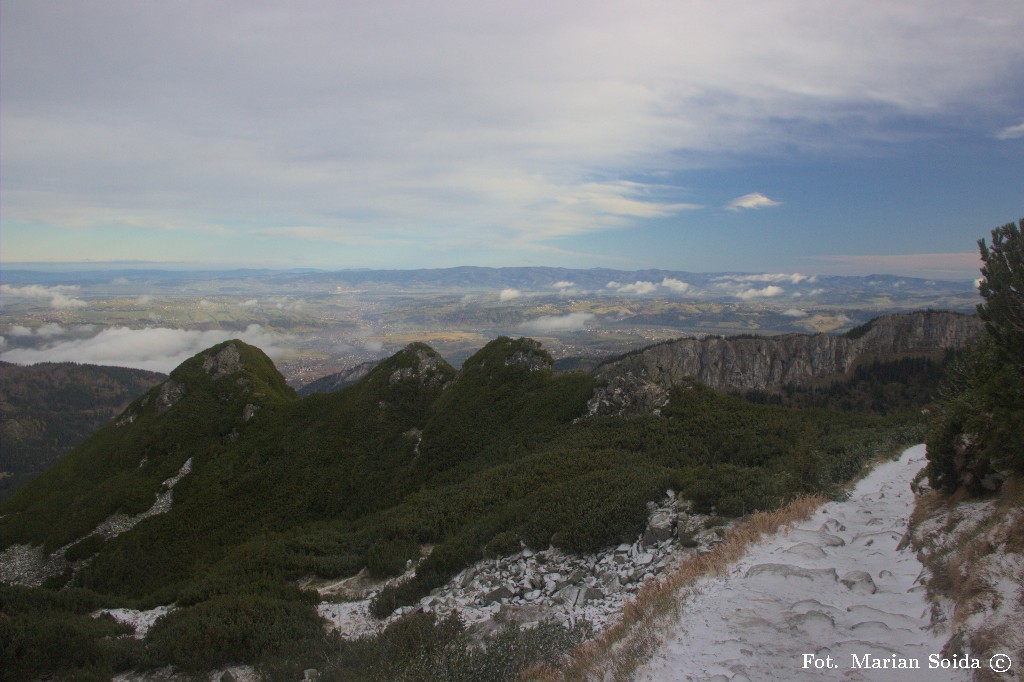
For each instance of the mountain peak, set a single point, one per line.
(522, 353)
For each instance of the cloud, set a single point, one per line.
(792, 278)
(553, 324)
(766, 292)
(639, 287)
(435, 129)
(509, 294)
(157, 349)
(1011, 132)
(753, 200)
(563, 285)
(58, 295)
(50, 329)
(676, 285)
(794, 312)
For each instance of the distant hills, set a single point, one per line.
(48, 408)
(531, 279)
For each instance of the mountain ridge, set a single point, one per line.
(769, 363)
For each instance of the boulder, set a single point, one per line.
(497, 595)
(661, 527)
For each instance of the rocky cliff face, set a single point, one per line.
(768, 363)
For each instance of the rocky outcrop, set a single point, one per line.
(530, 356)
(226, 361)
(768, 363)
(627, 396)
(333, 383)
(170, 392)
(426, 367)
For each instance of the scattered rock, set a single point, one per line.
(860, 582)
(170, 392)
(497, 595)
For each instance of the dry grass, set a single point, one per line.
(966, 568)
(618, 652)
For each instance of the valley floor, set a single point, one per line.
(833, 599)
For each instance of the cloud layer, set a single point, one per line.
(58, 295)
(158, 349)
(553, 324)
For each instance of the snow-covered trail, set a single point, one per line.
(802, 605)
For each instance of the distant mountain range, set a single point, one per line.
(534, 279)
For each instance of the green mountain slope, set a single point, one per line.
(259, 488)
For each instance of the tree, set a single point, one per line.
(1002, 287)
(977, 435)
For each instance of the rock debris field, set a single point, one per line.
(820, 602)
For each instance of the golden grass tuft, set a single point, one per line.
(620, 649)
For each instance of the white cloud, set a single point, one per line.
(45, 331)
(372, 346)
(563, 285)
(144, 299)
(460, 124)
(58, 295)
(792, 278)
(639, 287)
(154, 348)
(50, 329)
(1011, 132)
(676, 285)
(794, 312)
(509, 294)
(552, 324)
(753, 200)
(766, 292)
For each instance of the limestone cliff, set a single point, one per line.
(767, 363)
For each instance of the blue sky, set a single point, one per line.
(789, 135)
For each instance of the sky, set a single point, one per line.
(840, 137)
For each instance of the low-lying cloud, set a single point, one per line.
(791, 277)
(550, 324)
(794, 312)
(642, 287)
(509, 294)
(157, 349)
(766, 292)
(675, 285)
(58, 295)
(639, 287)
